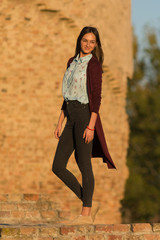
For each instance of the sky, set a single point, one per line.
(144, 12)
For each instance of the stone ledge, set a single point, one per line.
(48, 231)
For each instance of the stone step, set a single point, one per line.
(50, 231)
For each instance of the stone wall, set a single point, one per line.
(37, 38)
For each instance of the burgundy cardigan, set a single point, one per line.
(94, 85)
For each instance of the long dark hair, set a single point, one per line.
(97, 52)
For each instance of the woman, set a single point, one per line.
(83, 132)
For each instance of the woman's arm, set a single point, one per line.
(92, 121)
(88, 134)
(96, 77)
(61, 118)
(57, 131)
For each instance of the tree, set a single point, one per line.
(141, 202)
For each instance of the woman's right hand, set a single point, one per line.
(57, 131)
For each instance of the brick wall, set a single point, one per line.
(38, 217)
(37, 38)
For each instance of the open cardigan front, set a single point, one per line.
(94, 84)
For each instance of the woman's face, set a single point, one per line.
(88, 43)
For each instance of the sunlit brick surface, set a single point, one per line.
(37, 38)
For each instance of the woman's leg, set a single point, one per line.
(83, 156)
(64, 150)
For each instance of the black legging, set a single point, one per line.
(78, 116)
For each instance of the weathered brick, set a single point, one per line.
(50, 232)
(3, 197)
(31, 197)
(115, 237)
(5, 214)
(33, 214)
(47, 238)
(8, 206)
(49, 214)
(156, 227)
(25, 206)
(121, 228)
(10, 232)
(85, 228)
(141, 227)
(80, 238)
(18, 214)
(64, 214)
(14, 197)
(16, 238)
(67, 230)
(106, 228)
(134, 237)
(96, 237)
(41, 205)
(151, 237)
(69, 237)
(28, 231)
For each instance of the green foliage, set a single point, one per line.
(141, 202)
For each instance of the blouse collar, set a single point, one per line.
(82, 59)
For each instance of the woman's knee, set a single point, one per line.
(55, 168)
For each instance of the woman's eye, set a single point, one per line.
(84, 40)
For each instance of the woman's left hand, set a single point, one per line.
(88, 135)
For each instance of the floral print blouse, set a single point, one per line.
(74, 86)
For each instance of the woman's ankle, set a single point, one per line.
(86, 211)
